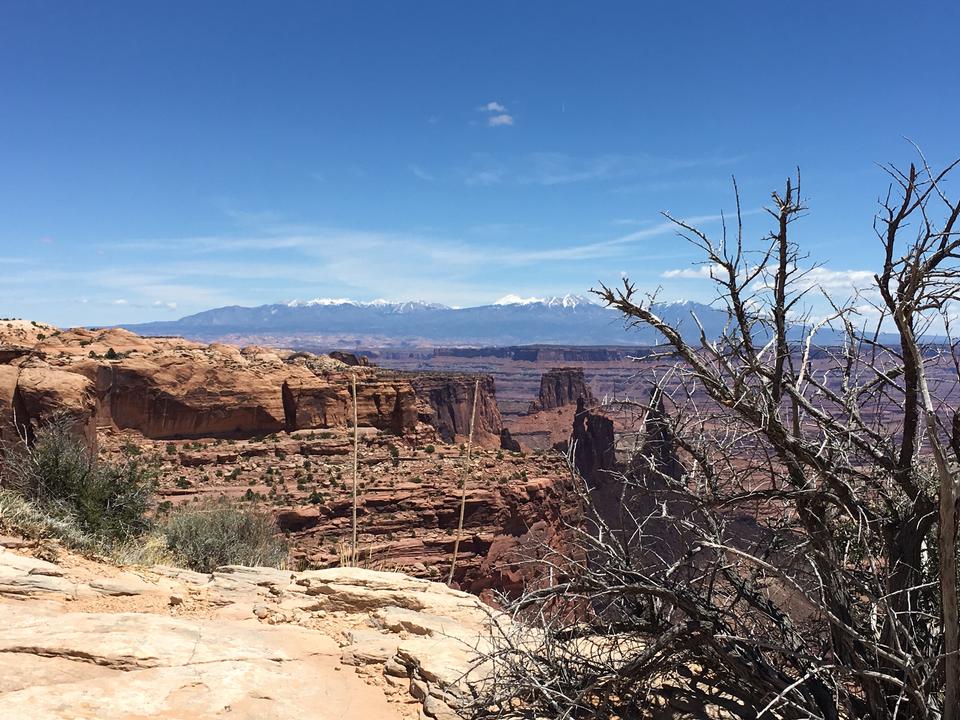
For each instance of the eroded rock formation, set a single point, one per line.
(31, 391)
(507, 442)
(560, 387)
(276, 427)
(349, 358)
(447, 400)
(594, 445)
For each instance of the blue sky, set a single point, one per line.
(163, 158)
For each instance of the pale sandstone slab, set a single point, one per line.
(310, 689)
(399, 632)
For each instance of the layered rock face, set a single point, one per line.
(85, 640)
(410, 526)
(448, 400)
(560, 387)
(171, 388)
(385, 403)
(31, 391)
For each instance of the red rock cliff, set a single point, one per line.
(447, 401)
(169, 388)
(560, 387)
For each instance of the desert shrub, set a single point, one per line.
(19, 516)
(63, 478)
(217, 532)
(394, 455)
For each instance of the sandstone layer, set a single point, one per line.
(450, 400)
(172, 388)
(85, 640)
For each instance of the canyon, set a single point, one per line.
(274, 427)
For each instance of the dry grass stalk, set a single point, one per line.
(356, 457)
(463, 484)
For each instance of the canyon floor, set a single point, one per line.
(408, 498)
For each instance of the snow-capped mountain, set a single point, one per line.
(405, 306)
(567, 301)
(511, 320)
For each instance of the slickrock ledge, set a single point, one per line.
(86, 640)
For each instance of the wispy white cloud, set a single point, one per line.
(824, 277)
(484, 178)
(679, 184)
(613, 247)
(630, 221)
(829, 279)
(692, 273)
(500, 120)
(498, 115)
(421, 173)
(553, 168)
(267, 258)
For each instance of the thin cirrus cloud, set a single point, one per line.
(549, 169)
(694, 273)
(269, 259)
(497, 114)
(843, 283)
(420, 173)
(389, 257)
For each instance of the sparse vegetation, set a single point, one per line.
(58, 488)
(218, 532)
(63, 479)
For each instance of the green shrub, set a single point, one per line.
(60, 475)
(394, 454)
(214, 533)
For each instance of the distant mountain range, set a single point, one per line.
(564, 320)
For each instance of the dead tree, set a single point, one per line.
(811, 567)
